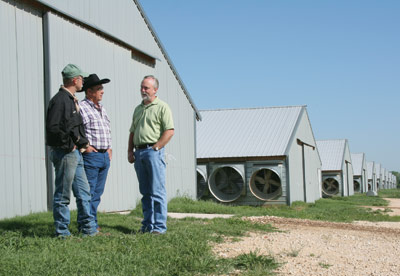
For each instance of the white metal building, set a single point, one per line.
(258, 156)
(113, 39)
(337, 168)
(360, 177)
(372, 186)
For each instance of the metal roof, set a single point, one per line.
(251, 132)
(357, 161)
(370, 167)
(332, 154)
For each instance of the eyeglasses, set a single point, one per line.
(81, 78)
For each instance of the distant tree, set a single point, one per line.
(397, 174)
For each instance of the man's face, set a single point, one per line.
(78, 82)
(147, 90)
(95, 93)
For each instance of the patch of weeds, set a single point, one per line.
(254, 264)
(293, 252)
(324, 265)
(312, 255)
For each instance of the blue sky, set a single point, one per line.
(340, 58)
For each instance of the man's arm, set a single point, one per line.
(131, 157)
(165, 138)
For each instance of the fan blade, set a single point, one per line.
(259, 180)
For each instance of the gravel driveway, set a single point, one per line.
(306, 247)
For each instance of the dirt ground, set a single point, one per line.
(306, 247)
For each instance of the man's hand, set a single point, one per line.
(109, 153)
(131, 157)
(90, 149)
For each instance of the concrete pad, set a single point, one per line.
(201, 216)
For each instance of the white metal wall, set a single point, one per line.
(22, 162)
(120, 18)
(347, 174)
(312, 163)
(70, 43)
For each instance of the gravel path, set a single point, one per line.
(306, 247)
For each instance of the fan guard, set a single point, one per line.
(330, 187)
(265, 184)
(226, 183)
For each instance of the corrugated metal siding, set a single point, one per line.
(98, 55)
(245, 132)
(312, 163)
(120, 18)
(348, 173)
(357, 160)
(23, 170)
(331, 153)
(124, 21)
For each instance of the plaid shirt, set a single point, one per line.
(97, 124)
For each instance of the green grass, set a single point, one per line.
(28, 247)
(338, 209)
(390, 193)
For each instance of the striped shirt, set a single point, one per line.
(96, 123)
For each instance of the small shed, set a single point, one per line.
(257, 156)
(371, 176)
(337, 168)
(360, 177)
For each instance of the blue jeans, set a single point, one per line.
(150, 170)
(70, 175)
(96, 167)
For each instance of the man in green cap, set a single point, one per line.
(65, 135)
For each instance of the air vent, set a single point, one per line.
(226, 183)
(265, 184)
(330, 187)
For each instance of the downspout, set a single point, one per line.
(347, 177)
(302, 144)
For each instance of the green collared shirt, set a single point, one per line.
(150, 121)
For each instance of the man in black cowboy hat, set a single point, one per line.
(98, 155)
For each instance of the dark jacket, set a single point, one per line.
(64, 125)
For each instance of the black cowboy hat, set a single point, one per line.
(92, 80)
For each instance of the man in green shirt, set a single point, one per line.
(151, 129)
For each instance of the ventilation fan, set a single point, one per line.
(226, 183)
(202, 187)
(330, 187)
(265, 184)
(356, 186)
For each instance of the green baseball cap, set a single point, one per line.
(71, 71)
